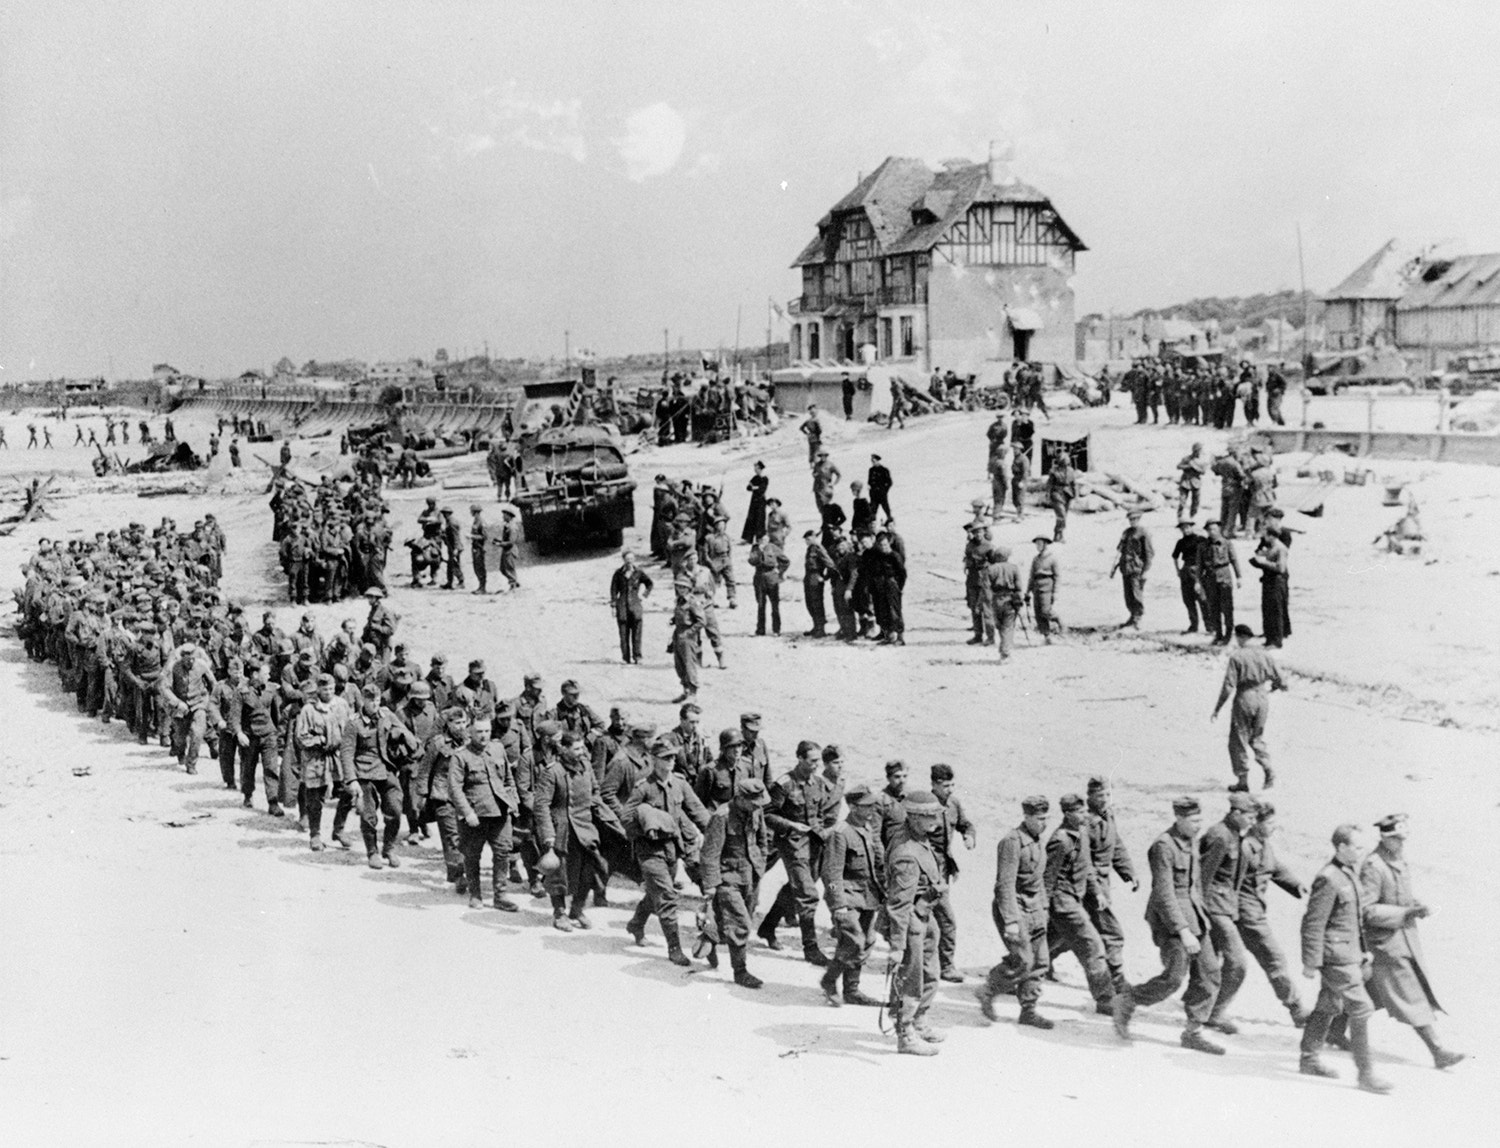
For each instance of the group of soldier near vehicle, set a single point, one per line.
(138, 629)
(1203, 395)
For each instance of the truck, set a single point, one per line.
(574, 488)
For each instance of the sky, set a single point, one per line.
(216, 185)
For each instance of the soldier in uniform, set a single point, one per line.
(479, 541)
(1135, 555)
(687, 645)
(380, 625)
(660, 817)
(1262, 867)
(1041, 587)
(1019, 909)
(977, 549)
(1062, 489)
(1249, 677)
(853, 871)
(508, 547)
(1068, 877)
(257, 739)
(482, 786)
(733, 861)
(1222, 857)
(1108, 853)
(1186, 557)
(1219, 575)
(1270, 558)
(1179, 926)
(816, 568)
(718, 556)
(794, 806)
(1190, 482)
(374, 744)
(1002, 588)
(1335, 950)
(319, 735)
(569, 813)
(913, 883)
(628, 588)
(770, 564)
(954, 826)
(1398, 982)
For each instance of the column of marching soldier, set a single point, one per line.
(139, 630)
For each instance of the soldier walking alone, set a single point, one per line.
(1247, 678)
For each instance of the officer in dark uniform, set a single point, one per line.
(1135, 555)
(853, 869)
(1180, 928)
(913, 883)
(733, 861)
(1185, 558)
(1020, 912)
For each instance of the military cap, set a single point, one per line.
(475, 508)
(689, 708)
(371, 691)
(1187, 522)
(664, 748)
(374, 592)
(862, 793)
(455, 714)
(753, 789)
(569, 687)
(641, 727)
(325, 680)
(750, 721)
(533, 679)
(1275, 512)
(305, 656)
(508, 512)
(772, 499)
(1242, 802)
(366, 648)
(476, 664)
(548, 728)
(1243, 631)
(922, 803)
(504, 710)
(446, 510)
(1069, 802)
(1035, 805)
(1098, 783)
(420, 690)
(730, 737)
(1391, 822)
(439, 659)
(1184, 805)
(1041, 538)
(809, 534)
(1132, 514)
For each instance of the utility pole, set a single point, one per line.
(1302, 276)
(666, 355)
(567, 351)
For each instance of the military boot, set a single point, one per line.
(1033, 1019)
(1359, 1041)
(909, 1043)
(811, 953)
(674, 945)
(742, 976)
(829, 983)
(852, 995)
(1312, 1066)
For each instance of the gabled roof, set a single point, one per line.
(1468, 281)
(910, 207)
(1382, 276)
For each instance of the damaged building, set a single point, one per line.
(941, 270)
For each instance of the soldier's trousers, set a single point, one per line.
(1261, 944)
(1107, 925)
(496, 833)
(1233, 962)
(262, 751)
(1025, 958)
(296, 582)
(767, 594)
(998, 485)
(1060, 519)
(1070, 929)
(481, 573)
(1189, 500)
(581, 870)
(1192, 599)
(1200, 970)
(228, 751)
(658, 892)
(1042, 608)
(508, 567)
(798, 898)
(915, 981)
(1273, 609)
(812, 595)
(290, 789)
(379, 798)
(446, 817)
(1005, 626)
(1247, 732)
(853, 938)
(842, 609)
(630, 639)
(947, 923)
(1134, 585)
(1218, 608)
(687, 656)
(733, 907)
(711, 629)
(1341, 992)
(311, 797)
(724, 576)
(187, 736)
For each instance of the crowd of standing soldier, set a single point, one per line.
(1203, 395)
(332, 537)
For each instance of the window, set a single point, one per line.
(814, 349)
(908, 340)
(885, 337)
(795, 342)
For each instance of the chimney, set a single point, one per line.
(1001, 155)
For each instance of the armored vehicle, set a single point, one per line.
(574, 488)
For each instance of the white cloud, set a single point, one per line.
(539, 125)
(653, 141)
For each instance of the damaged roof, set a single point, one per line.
(1382, 276)
(909, 206)
(1467, 281)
